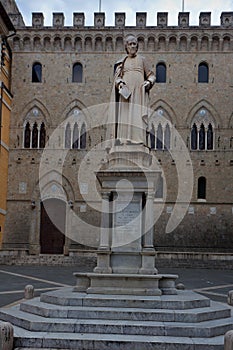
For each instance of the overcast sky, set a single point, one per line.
(130, 7)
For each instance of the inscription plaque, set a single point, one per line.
(127, 226)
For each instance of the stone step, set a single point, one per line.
(36, 307)
(43, 340)
(183, 300)
(35, 323)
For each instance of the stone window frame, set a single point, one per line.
(77, 77)
(37, 72)
(203, 73)
(37, 134)
(201, 188)
(202, 131)
(160, 132)
(75, 132)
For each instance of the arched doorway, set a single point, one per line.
(52, 226)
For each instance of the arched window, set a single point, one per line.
(159, 139)
(37, 73)
(75, 136)
(42, 136)
(210, 137)
(35, 136)
(27, 136)
(77, 76)
(167, 137)
(203, 73)
(152, 137)
(83, 137)
(201, 189)
(68, 136)
(202, 137)
(161, 72)
(194, 137)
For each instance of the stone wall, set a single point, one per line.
(207, 226)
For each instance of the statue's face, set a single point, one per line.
(132, 46)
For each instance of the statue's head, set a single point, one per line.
(131, 45)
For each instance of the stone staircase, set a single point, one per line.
(64, 319)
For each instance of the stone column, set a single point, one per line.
(228, 341)
(103, 253)
(6, 336)
(148, 251)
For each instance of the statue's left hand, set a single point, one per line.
(146, 84)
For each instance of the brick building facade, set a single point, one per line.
(59, 73)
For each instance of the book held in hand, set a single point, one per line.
(124, 92)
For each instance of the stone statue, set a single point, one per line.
(132, 82)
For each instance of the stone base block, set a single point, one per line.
(128, 284)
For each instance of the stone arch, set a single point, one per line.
(205, 43)
(227, 42)
(162, 43)
(203, 104)
(76, 104)
(88, 43)
(16, 43)
(170, 113)
(109, 43)
(78, 44)
(141, 43)
(68, 43)
(172, 43)
(119, 43)
(37, 105)
(99, 43)
(47, 42)
(215, 42)
(183, 42)
(194, 43)
(151, 43)
(37, 42)
(57, 43)
(26, 43)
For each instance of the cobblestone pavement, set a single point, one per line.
(212, 283)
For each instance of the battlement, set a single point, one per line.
(226, 19)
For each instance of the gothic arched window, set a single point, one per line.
(159, 138)
(210, 137)
(194, 137)
(37, 72)
(75, 136)
(167, 137)
(68, 136)
(203, 73)
(27, 136)
(35, 136)
(42, 136)
(83, 137)
(202, 137)
(201, 188)
(161, 72)
(77, 75)
(152, 137)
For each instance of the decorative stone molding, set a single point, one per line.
(99, 19)
(183, 19)
(119, 19)
(58, 19)
(226, 19)
(162, 18)
(205, 19)
(78, 19)
(141, 19)
(37, 20)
